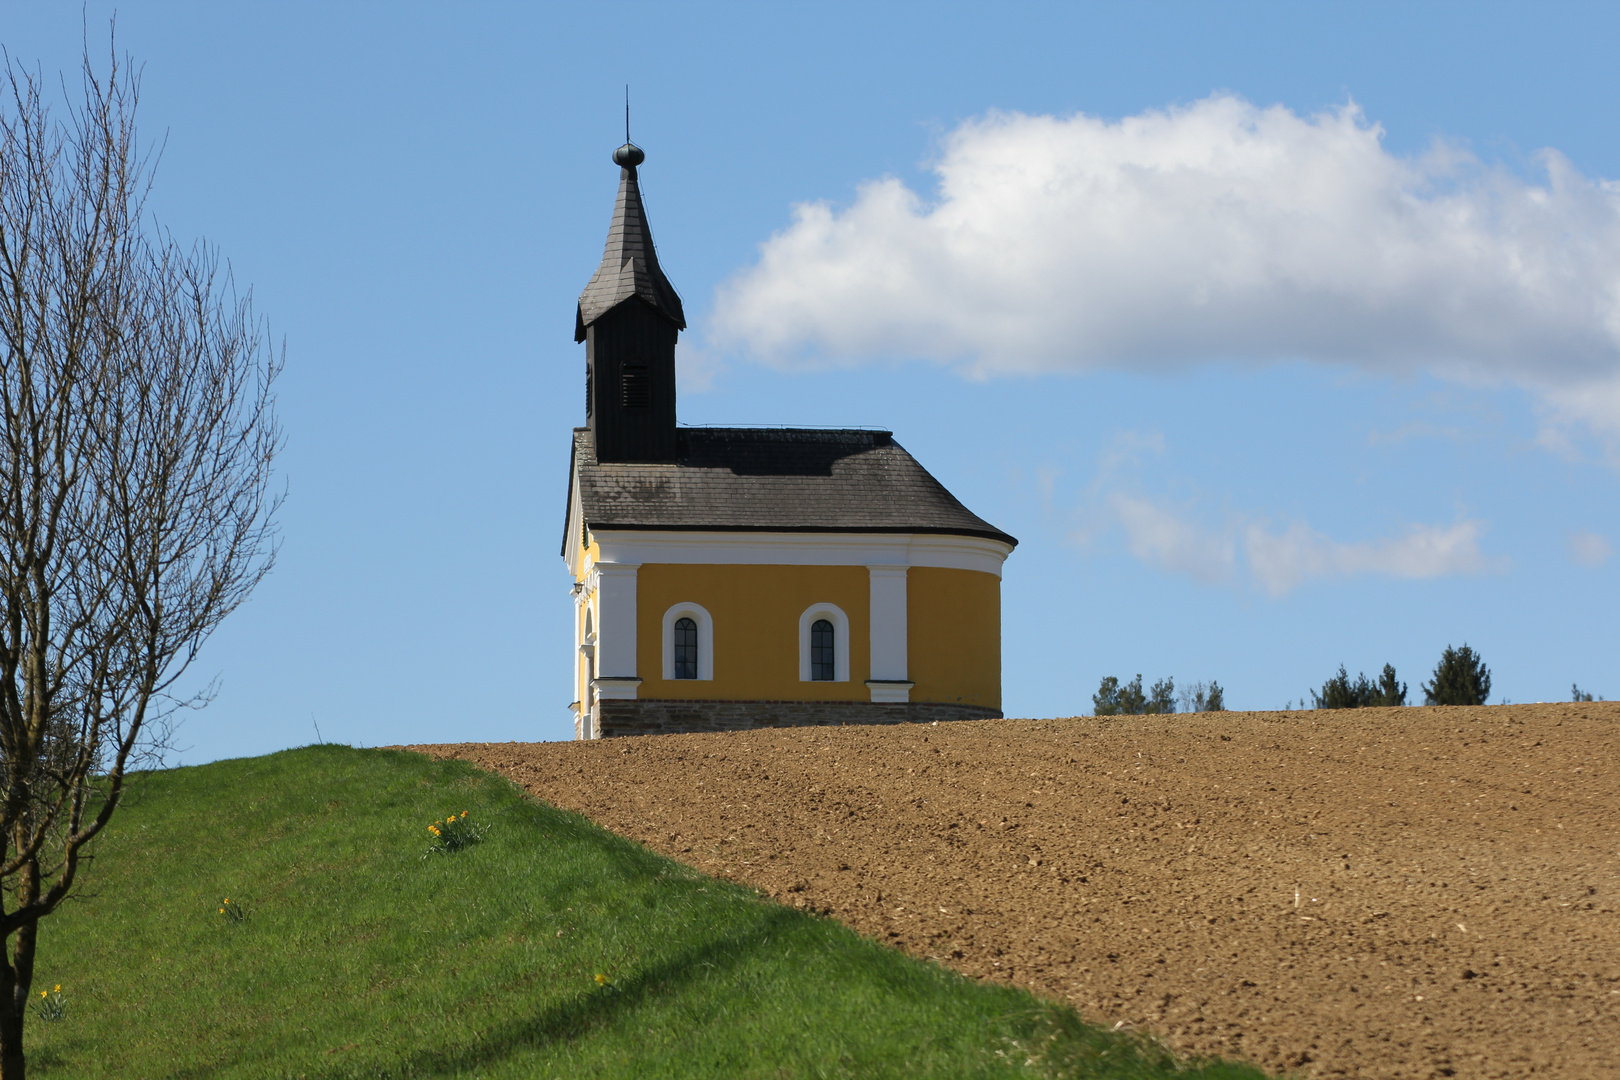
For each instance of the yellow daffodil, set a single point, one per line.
(601, 980)
(58, 988)
(222, 911)
(42, 994)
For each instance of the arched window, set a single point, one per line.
(686, 649)
(688, 645)
(823, 663)
(823, 644)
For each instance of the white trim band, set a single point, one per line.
(802, 549)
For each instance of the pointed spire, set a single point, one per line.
(629, 263)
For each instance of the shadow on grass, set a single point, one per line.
(571, 1020)
(55, 1060)
(1059, 1045)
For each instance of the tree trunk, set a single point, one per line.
(16, 981)
(12, 1065)
(13, 1002)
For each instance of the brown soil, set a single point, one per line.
(1383, 893)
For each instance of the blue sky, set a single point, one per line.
(1342, 392)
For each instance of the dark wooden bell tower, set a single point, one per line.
(629, 318)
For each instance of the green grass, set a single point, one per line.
(358, 957)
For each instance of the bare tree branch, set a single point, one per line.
(137, 437)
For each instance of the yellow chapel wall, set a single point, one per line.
(589, 552)
(582, 665)
(756, 613)
(953, 635)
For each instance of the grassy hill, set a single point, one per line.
(552, 948)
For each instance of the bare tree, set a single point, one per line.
(137, 432)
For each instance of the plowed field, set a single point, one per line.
(1381, 893)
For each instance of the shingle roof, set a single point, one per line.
(772, 479)
(629, 265)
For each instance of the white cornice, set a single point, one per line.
(802, 549)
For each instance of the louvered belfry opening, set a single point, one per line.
(629, 319)
(635, 386)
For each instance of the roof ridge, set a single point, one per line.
(786, 427)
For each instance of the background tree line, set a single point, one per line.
(1114, 698)
(1461, 677)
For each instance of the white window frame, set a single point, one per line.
(705, 628)
(835, 615)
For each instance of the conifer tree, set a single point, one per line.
(1340, 693)
(1460, 678)
(1105, 702)
(1112, 699)
(1390, 690)
(1161, 699)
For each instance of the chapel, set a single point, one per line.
(729, 578)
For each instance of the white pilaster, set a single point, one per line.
(616, 625)
(887, 627)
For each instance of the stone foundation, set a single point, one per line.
(666, 717)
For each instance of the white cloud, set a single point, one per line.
(1125, 451)
(1279, 562)
(1217, 230)
(1594, 403)
(1589, 548)
(697, 369)
(1158, 536)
